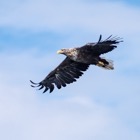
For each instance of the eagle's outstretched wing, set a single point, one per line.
(102, 47)
(67, 72)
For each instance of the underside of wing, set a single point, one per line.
(67, 72)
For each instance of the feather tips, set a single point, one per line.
(67, 72)
(104, 46)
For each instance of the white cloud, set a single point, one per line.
(100, 105)
(104, 17)
(70, 113)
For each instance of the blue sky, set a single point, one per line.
(101, 104)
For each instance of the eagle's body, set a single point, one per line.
(78, 60)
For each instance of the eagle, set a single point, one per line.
(77, 61)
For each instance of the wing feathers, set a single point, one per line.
(67, 72)
(102, 47)
(62, 81)
(46, 88)
(107, 45)
(66, 78)
(57, 83)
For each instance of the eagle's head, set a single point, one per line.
(62, 51)
(67, 52)
(71, 53)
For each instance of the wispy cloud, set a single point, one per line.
(101, 105)
(98, 110)
(99, 16)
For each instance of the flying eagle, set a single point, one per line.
(77, 61)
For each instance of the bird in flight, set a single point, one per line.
(77, 61)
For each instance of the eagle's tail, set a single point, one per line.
(105, 63)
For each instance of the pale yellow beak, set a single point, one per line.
(59, 52)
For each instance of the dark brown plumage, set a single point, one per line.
(77, 61)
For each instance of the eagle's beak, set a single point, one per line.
(59, 52)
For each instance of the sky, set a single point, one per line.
(101, 104)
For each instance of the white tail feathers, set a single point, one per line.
(108, 66)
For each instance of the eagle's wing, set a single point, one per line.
(102, 47)
(67, 72)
